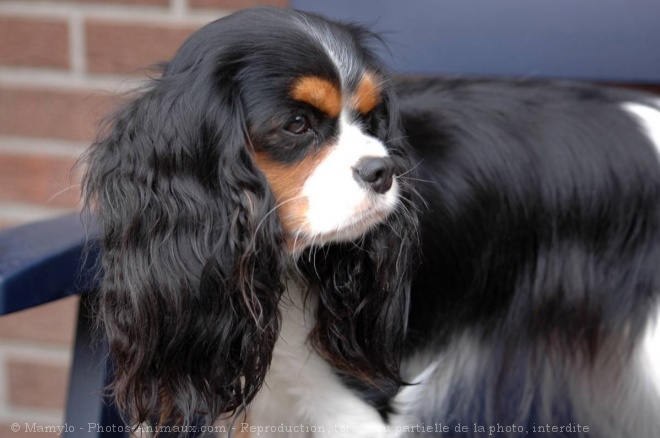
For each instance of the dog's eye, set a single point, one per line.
(298, 125)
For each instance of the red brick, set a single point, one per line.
(236, 4)
(51, 113)
(35, 384)
(131, 48)
(31, 42)
(52, 323)
(127, 2)
(6, 432)
(4, 224)
(36, 179)
(107, 2)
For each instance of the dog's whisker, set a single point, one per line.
(419, 163)
(55, 195)
(390, 140)
(274, 209)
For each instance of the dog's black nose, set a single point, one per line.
(375, 172)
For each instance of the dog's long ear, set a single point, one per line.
(191, 257)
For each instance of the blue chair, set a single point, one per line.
(604, 40)
(598, 40)
(46, 261)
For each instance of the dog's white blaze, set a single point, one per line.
(340, 55)
(339, 208)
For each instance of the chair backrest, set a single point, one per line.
(602, 40)
(46, 261)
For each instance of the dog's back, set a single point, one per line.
(533, 310)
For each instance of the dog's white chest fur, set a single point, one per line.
(302, 396)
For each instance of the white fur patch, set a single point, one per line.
(339, 208)
(433, 376)
(302, 396)
(622, 398)
(651, 351)
(340, 55)
(648, 117)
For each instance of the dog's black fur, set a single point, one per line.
(528, 229)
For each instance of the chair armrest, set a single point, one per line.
(46, 261)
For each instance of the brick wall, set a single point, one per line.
(63, 64)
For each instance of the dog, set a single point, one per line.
(289, 231)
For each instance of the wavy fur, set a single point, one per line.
(529, 295)
(193, 258)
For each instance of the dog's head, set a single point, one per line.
(270, 145)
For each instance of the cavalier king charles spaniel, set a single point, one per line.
(289, 231)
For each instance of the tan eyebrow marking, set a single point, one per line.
(319, 93)
(367, 95)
